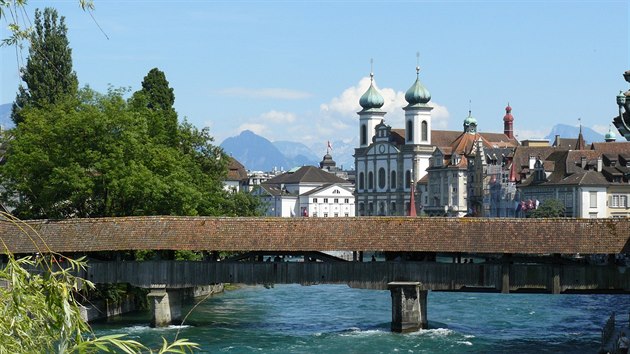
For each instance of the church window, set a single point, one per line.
(393, 180)
(361, 181)
(347, 201)
(361, 209)
(409, 131)
(408, 179)
(314, 200)
(425, 128)
(325, 200)
(381, 178)
(363, 134)
(393, 207)
(370, 180)
(370, 208)
(336, 201)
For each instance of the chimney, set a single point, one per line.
(532, 161)
(599, 164)
(583, 161)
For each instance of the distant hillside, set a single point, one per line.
(5, 116)
(255, 152)
(568, 131)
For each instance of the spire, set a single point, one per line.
(417, 93)
(580, 144)
(371, 99)
(610, 136)
(508, 125)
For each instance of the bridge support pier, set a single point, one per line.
(166, 305)
(409, 306)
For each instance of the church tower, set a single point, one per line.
(508, 121)
(417, 113)
(371, 114)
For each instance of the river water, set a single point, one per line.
(337, 319)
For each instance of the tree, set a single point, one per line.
(550, 208)
(48, 73)
(93, 156)
(159, 97)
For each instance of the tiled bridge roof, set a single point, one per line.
(475, 235)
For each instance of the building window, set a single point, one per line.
(336, 201)
(325, 200)
(381, 178)
(593, 199)
(361, 209)
(347, 201)
(336, 191)
(393, 207)
(363, 134)
(361, 181)
(370, 180)
(408, 179)
(336, 215)
(325, 215)
(392, 181)
(370, 208)
(619, 201)
(409, 131)
(592, 215)
(314, 200)
(425, 129)
(346, 214)
(314, 214)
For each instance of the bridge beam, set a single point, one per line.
(166, 305)
(409, 307)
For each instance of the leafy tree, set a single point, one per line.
(550, 208)
(48, 73)
(94, 156)
(159, 97)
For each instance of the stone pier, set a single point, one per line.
(166, 305)
(409, 307)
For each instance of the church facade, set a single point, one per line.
(391, 163)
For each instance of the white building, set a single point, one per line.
(307, 192)
(389, 163)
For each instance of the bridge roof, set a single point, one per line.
(476, 235)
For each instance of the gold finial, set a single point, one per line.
(371, 69)
(417, 64)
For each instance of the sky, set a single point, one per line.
(294, 70)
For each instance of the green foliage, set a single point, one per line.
(48, 73)
(157, 96)
(39, 311)
(550, 208)
(94, 156)
(188, 256)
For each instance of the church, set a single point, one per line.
(391, 163)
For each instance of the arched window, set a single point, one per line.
(408, 179)
(370, 180)
(392, 182)
(409, 131)
(381, 178)
(361, 181)
(363, 134)
(425, 130)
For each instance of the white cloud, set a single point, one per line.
(347, 104)
(278, 117)
(277, 93)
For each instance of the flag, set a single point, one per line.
(329, 146)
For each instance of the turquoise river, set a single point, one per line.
(337, 319)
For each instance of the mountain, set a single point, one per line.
(5, 116)
(299, 153)
(568, 131)
(255, 152)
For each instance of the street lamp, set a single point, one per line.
(623, 101)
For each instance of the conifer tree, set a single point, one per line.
(160, 99)
(48, 73)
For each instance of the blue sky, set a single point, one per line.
(294, 70)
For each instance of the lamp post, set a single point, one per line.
(623, 101)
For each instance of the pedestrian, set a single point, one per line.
(623, 344)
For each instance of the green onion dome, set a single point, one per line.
(417, 93)
(371, 99)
